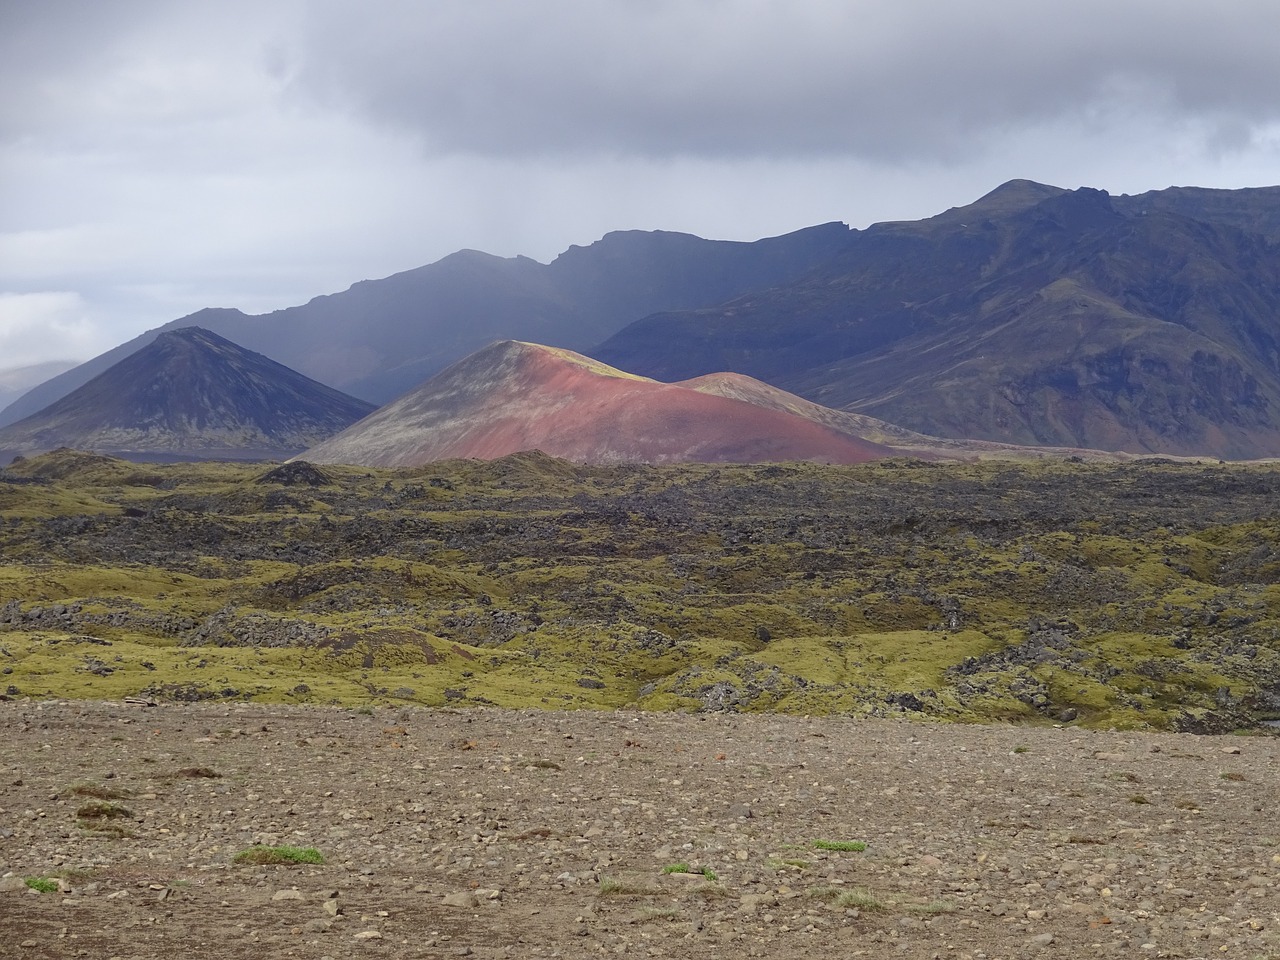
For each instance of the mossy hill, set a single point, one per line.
(1132, 595)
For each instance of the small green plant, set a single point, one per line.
(685, 868)
(42, 884)
(844, 846)
(262, 855)
(1138, 798)
(1020, 749)
(1236, 777)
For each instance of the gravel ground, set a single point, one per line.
(492, 833)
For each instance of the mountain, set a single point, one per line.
(15, 381)
(190, 392)
(512, 397)
(382, 337)
(1035, 315)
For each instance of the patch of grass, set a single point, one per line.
(260, 855)
(1138, 798)
(544, 765)
(685, 868)
(843, 846)
(1231, 775)
(1020, 749)
(41, 884)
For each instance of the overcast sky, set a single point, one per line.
(159, 156)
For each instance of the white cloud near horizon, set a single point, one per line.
(156, 158)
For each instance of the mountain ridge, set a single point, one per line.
(1063, 322)
(190, 392)
(378, 338)
(1033, 315)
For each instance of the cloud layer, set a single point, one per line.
(156, 158)
(898, 81)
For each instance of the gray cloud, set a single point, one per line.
(782, 79)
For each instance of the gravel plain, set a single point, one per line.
(492, 833)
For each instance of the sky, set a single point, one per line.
(159, 157)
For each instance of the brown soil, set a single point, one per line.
(552, 831)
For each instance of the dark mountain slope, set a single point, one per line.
(1032, 316)
(379, 338)
(190, 392)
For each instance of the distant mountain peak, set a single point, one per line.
(1018, 192)
(190, 392)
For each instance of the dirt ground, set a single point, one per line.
(490, 833)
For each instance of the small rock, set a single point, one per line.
(287, 895)
(1042, 940)
(367, 935)
(464, 898)
(12, 885)
(331, 908)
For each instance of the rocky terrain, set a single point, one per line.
(1134, 595)
(494, 833)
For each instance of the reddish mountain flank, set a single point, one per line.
(514, 396)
